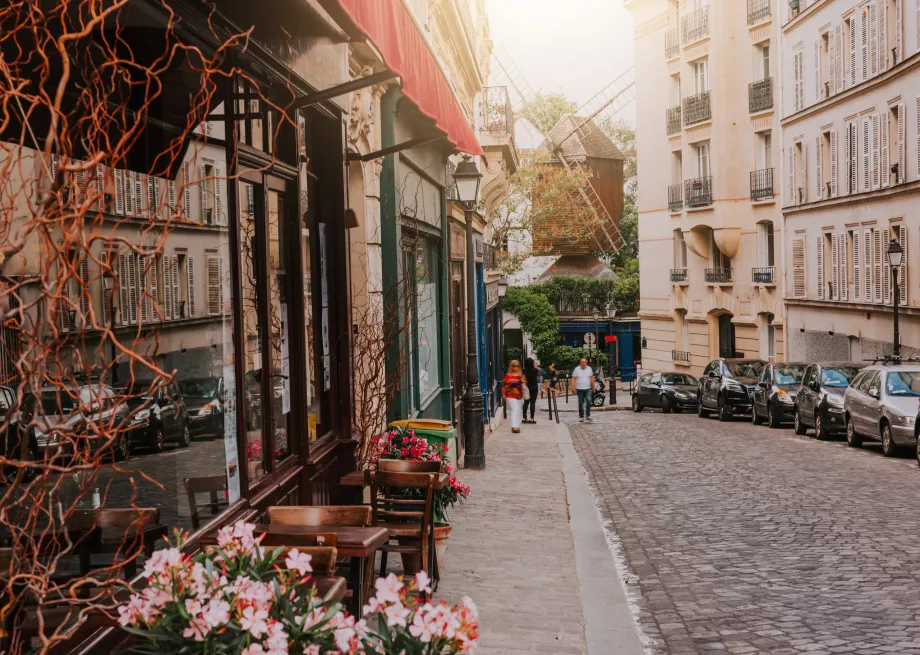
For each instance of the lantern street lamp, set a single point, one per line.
(895, 254)
(612, 363)
(468, 178)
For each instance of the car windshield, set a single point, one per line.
(679, 378)
(744, 369)
(199, 388)
(786, 375)
(140, 390)
(903, 383)
(56, 402)
(839, 377)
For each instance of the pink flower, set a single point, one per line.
(396, 614)
(423, 582)
(388, 589)
(470, 606)
(277, 641)
(255, 621)
(217, 613)
(298, 561)
(312, 649)
(253, 649)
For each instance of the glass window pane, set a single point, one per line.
(313, 388)
(279, 325)
(429, 374)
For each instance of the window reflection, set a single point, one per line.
(280, 324)
(312, 390)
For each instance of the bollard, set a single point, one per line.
(613, 390)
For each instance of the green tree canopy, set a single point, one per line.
(545, 110)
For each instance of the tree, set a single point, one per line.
(623, 133)
(545, 110)
(626, 287)
(538, 319)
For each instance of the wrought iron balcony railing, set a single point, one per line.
(760, 95)
(496, 112)
(758, 10)
(675, 197)
(680, 356)
(673, 119)
(695, 25)
(762, 184)
(671, 44)
(698, 192)
(678, 275)
(697, 109)
(763, 275)
(569, 308)
(719, 275)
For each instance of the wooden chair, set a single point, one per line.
(354, 515)
(322, 558)
(407, 516)
(116, 531)
(401, 466)
(213, 485)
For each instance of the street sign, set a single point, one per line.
(590, 338)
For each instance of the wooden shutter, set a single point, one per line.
(873, 39)
(132, 288)
(140, 194)
(875, 149)
(799, 281)
(795, 72)
(844, 265)
(218, 200)
(122, 281)
(175, 287)
(818, 70)
(838, 57)
(902, 142)
(103, 262)
(190, 267)
(120, 192)
(866, 157)
(144, 276)
(171, 311)
(882, 35)
(857, 264)
(203, 194)
(917, 15)
(819, 265)
(187, 190)
(854, 158)
(100, 188)
(832, 60)
(848, 158)
(867, 265)
(835, 268)
(80, 188)
(877, 256)
(171, 198)
(86, 299)
(902, 270)
(833, 138)
(803, 173)
(155, 315)
(885, 166)
(904, 174)
(863, 44)
(790, 175)
(214, 284)
(899, 31)
(819, 177)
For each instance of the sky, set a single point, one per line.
(573, 46)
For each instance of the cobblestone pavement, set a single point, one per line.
(745, 539)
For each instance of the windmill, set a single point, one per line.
(586, 205)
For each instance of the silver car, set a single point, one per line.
(881, 404)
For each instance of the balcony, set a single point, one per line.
(678, 275)
(673, 120)
(719, 275)
(762, 184)
(697, 109)
(671, 44)
(764, 275)
(675, 197)
(680, 356)
(579, 308)
(496, 112)
(758, 10)
(793, 9)
(694, 26)
(698, 192)
(760, 95)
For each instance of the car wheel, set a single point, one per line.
(665, 405)
(800, 428)
(122, 449)
(755, 417)
(724, 412)
(853, 439)
(889, 447)
(185, 437)
(636, 405)
(598, 401)
(159, 441)
(772, 418)
(820, 429)
(701, 411)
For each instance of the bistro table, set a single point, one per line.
(361, 479)
(356, 542)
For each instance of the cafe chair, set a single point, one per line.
(320, 515)
(402, 503)
(117, 532)
(402, 466)
(214, 486)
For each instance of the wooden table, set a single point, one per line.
(356, 542)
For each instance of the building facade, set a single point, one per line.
(706, 126)
(851, 175)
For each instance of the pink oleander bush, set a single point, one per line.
(240, 598)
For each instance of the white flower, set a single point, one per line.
(253, 649)
(254, 621)
(217, 613)
(298, 561)
(470, 605)
(423, 582)
(396, 615)
(388, 589)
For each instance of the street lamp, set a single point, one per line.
(895, 254)
(468, 178)
(612, 362)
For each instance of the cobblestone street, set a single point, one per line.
(744, 539)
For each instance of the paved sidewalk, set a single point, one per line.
(528, 547)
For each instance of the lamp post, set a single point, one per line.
(597, 343)
(611, 312)
(468, 178)
(895, 254)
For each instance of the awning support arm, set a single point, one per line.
(341, 89)
(405, 145)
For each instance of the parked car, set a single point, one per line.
(204, 400)
(158, 415)
(60, 415)
(17, 439)
(819, 403)
(669, 391)
(881, 404)
(727, 387)
(774, 395)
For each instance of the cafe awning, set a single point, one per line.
(389, 27)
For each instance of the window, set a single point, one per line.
(764, 150)
(798, 77)
(208, 187)
(677, 171)
(765, 244)
(684, 333)
(675, 90)
(822, 66)
(899, 234)
(428, 315)
(764, 62)
(701, 76)
(799, 281)
(702, 160)
(680, 250)
(717, 259)
(851, 158)
(824, 174)
(798, 173)
(852, 38)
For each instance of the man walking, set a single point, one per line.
(583, 385)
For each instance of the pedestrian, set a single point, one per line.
(583, 385)
(532, 378)
(513, 393)
(541, 378)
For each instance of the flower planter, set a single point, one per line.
(412, 562)
(441, 533)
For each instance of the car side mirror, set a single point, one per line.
(763, 385)
(816, 386)
(874, 393)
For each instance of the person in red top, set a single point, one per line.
(513, 393)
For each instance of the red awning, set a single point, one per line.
(387, 25)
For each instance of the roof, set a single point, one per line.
(578, 266)
(586, 140)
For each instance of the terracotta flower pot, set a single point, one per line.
(441, 533)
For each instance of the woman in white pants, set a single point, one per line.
(513, 393)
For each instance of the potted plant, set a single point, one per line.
(405, 445)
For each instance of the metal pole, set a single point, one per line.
(896, 349)
(472, 400)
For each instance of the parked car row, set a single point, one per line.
(878, 402)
